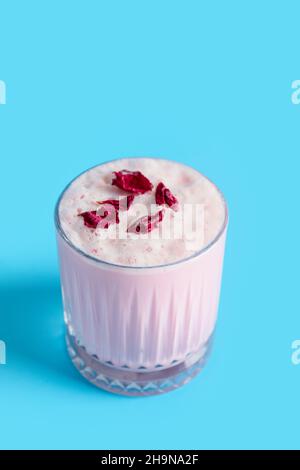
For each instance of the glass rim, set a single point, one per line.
(154, 266)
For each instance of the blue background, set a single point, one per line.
(205, 83)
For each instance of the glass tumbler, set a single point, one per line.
(140, 330)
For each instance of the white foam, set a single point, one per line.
(187, 184)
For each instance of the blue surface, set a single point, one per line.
(206, 83)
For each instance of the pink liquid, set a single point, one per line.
(141, 317)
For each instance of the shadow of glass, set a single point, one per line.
(31, 324)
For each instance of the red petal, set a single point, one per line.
(92, 219)
(132, 181)
(164, 196)
(146, 224)
(119, 204)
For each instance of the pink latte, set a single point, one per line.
(135, 301)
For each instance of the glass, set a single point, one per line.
(140, 330)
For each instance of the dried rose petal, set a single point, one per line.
(132, 181)
(119, 204)
(93, 219)
(147, 223)
(164, 196)
(90, 218)
(110, 216)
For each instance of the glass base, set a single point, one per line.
(128, 382)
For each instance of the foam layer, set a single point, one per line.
(182, 233)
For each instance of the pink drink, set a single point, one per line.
(140, 312)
